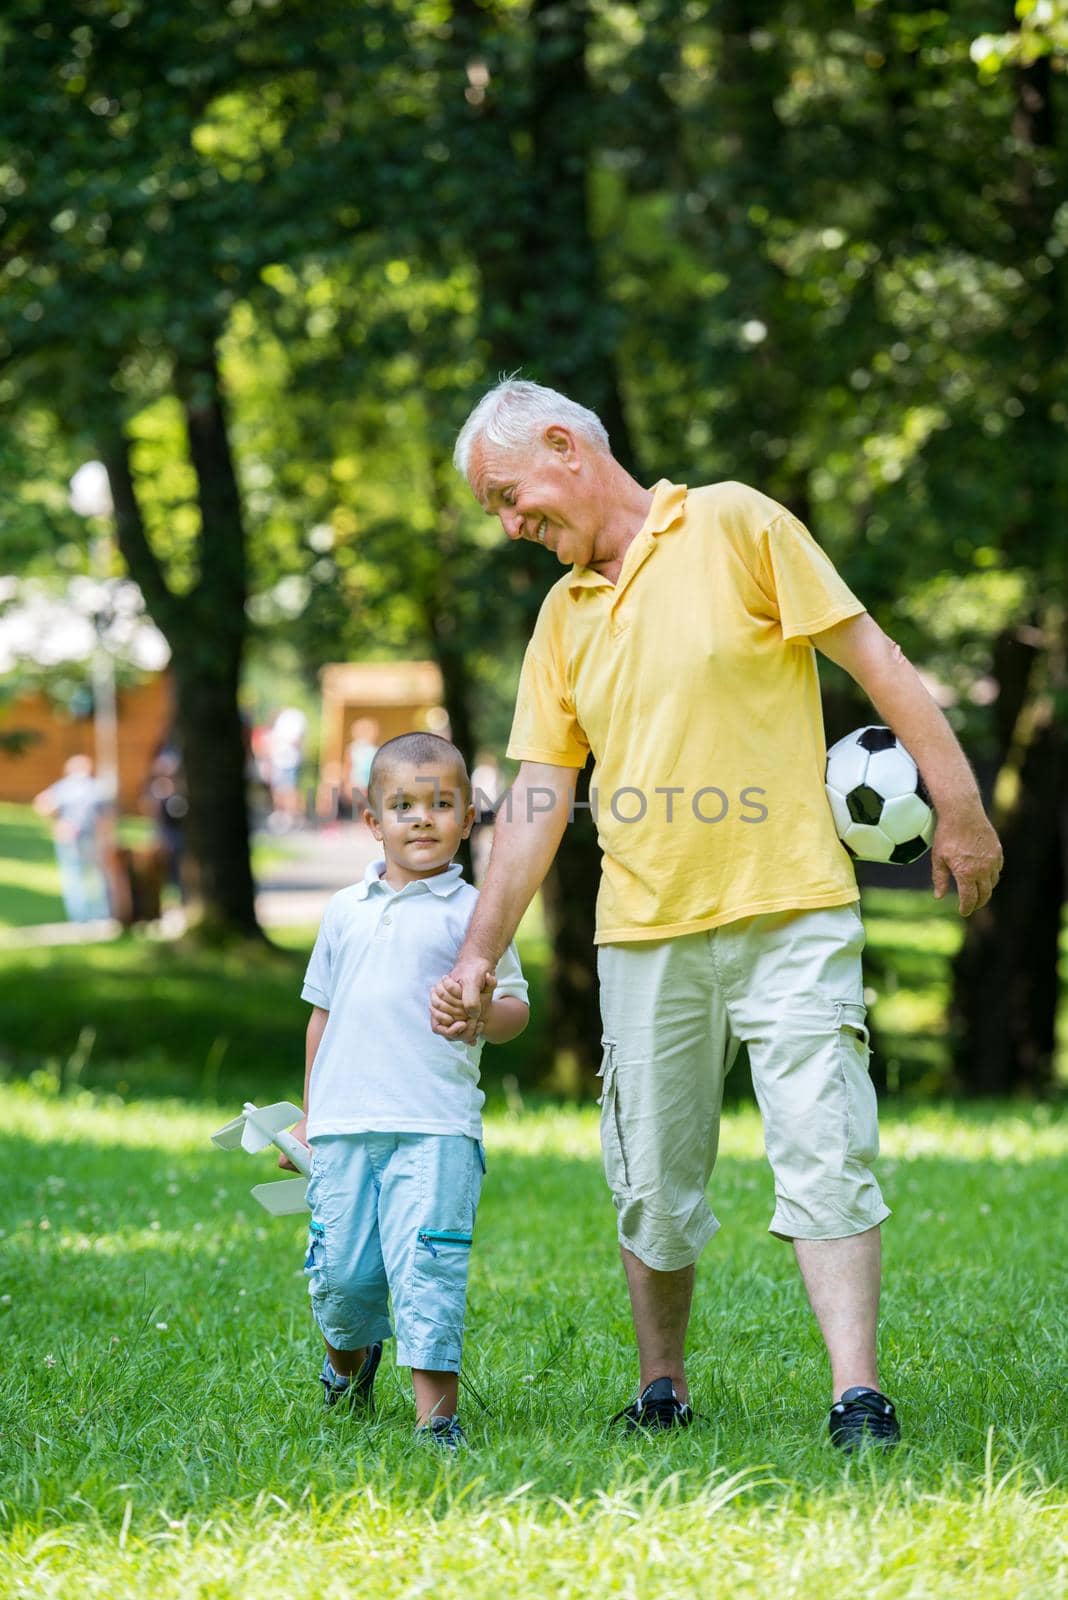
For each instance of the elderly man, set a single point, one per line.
(678, 648)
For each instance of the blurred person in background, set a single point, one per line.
(82, 813)
(358, 758)
(287, 760)
(166, 803)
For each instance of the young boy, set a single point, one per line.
(392, 1109)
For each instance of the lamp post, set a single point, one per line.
(90, 496)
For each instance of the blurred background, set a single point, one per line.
(258, 261)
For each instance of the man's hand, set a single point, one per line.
(459, 1000)
(299, 1131)
(966, 845)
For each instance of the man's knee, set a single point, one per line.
(664, 1241)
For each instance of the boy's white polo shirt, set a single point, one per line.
(380, 1067)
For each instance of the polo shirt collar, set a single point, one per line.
(441, 884)
(669, 504)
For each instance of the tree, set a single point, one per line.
(1006, 989)
(187, 149)
(527, 146)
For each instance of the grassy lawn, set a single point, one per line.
(163, 1019)
(29, 877)
(162, 1432)
(141, 1016)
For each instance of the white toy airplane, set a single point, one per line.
(255, 1129)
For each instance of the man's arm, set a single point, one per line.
(526, 835)
(965, 844)
(312, 1039)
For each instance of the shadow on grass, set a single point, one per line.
(29, 877)
(166, 1020)
(22, 906)
(227, 1026)
(27, 837)
(176, 1315)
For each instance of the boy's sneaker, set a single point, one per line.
(658, 1406)
(359, 1391)
(442, 1433)
(863, 1417)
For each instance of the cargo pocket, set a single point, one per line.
(612, 1146)
(854, 1055)
(315, 1260)
(442, 1259)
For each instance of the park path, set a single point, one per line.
(294, 891)
(308, 868)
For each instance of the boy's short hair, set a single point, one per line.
(409, 749)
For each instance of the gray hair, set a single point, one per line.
(516, 412)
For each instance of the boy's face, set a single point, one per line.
(421, 819)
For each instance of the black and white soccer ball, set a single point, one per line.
(880, 803)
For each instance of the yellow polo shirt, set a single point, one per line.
(693, 681)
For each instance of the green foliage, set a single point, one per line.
(820, 249)
(810, 275)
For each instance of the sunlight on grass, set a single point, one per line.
(40, 876)
(927, 934)
(648, 1539)
(103, 1122)
(951, 1132)
(912, 1013)
(163, 1433)
(1034, 1133)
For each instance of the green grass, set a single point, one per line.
(163, 1019)
(154, 1018)
(166, 1019)
(161, 1434)
(912, 939)
(29, 877)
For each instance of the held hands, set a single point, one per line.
(460, 1001)
(966, 845)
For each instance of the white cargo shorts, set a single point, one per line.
(789, 986)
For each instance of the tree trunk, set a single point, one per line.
(213, 752)
(442, 619)
(544, 311)
(206, 631)
(1006, 981)
(569, 898)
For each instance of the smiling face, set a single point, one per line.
(544, 492)
(421, 815)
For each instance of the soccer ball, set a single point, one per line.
(879, 801)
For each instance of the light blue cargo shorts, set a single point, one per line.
(393, 1215)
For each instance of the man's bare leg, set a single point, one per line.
(842, 1280)
(660, 1305)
